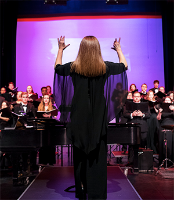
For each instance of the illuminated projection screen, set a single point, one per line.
(141, 42)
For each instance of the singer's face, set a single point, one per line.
(162, 89)
(3, 90)
(167, 100)
(133, 87)
(29, 89)
(46, 99)
(19, 95)
(4, 105)
(144, 88)
(24, 98)
(156, 85)
(171, 96)
(11, 86)
(151, 95)
(48, 90)
(136, 98)
(129, 96)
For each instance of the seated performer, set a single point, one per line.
(137, 116)
(31, 95)
(5, 115)
(167, 118)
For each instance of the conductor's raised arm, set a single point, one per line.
(117, 48)
(62, 46)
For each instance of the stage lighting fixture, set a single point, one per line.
(56, 2)
(112, 1)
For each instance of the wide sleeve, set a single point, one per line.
(63, 70)
(63, 89)
(116, 81)
(115, 68)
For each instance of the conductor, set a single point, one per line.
(88, 126)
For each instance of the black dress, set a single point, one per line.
(88, 126)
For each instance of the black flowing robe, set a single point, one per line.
(90, 101)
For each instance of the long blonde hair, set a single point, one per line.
(41, 106)
(89, 61)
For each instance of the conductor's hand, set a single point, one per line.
(116, 45)
(61, 43)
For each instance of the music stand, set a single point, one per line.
(165, 129)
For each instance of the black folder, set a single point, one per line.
(142, 106)
(165, 107)
(53, 112)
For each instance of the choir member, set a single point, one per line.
(25, 107)
(167, 118)
(171, 95)
(19, 97)
(12, 91)
(31, 95)
(5, 115)
(46, 105)
(47, 153)
(4, 94)
(162, 89)
(137, 116)
(143, 91)
(133, 88)
(155, 89)
(153, 124)
(49, 92)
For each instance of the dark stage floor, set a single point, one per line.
(148, 185)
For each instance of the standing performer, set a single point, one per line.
(89, 75)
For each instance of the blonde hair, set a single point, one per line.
(89, 61)
(41, 106)
(147, 97)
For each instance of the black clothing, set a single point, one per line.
(6, 112)
(166, 119)
(1, 100)
(7, 96)
(88, 108)
(30, 109)
(155, 90)
(88, 125)
(153, 129)
(144, 128)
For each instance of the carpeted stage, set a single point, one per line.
(52, 181)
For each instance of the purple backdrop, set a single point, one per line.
(36, 47)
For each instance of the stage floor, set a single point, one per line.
(52, 181)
